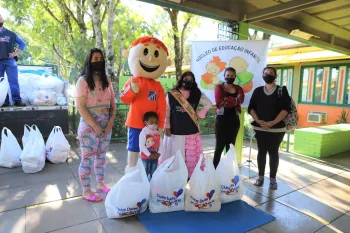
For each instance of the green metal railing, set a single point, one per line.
(119, 132)
(207, 125)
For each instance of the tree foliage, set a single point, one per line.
(180, 25)
(61, 31)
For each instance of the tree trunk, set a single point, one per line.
(182, 40)
(95, 6)
(110, 55)
(177, 46)
(80, 17)
(119, 69)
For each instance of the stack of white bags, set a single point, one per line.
(169, 190)
(33, 156)
(41, 90)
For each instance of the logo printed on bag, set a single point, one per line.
(171, 201)
(204, 203)
(178, 193)
(129, 211)
(48, 151)
(233, 188)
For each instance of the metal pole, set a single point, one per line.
(250, 151)
(74, 115)
(288, 136)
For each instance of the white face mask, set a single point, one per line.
(152, 127)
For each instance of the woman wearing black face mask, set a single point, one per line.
(228, 98)
(96, 105)
(181, 123)
(268, 109)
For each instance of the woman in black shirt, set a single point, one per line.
(268, 106)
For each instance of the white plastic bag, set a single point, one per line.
(47, 83)
(33, 154)
(167, 149)
(23, 83)
(57, 146)
(129, 196)
(4, 88)
(59, 85)
(10, 150)
(25, 136)
(24, 98)
(202, 193)
(61, 99)
(228, 173)
(44, 98)
(167, 185)
(24, 88)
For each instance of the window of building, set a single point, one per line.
(333, 90)
(285, 78)
(319, 85)
(228, 31)
(325, 85)
(305, 85)
(347, 90)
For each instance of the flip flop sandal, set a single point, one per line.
(259, 183)
(93, 198)
(104, 190)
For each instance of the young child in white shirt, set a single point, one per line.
(150, 143)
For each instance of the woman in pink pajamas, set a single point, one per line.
(96, 104)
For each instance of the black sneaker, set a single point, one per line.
(273, 186)
(20, 104)
(259, 183)
(5, 105)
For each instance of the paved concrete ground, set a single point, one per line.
(313, 196)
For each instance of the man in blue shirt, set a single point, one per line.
(8, 53)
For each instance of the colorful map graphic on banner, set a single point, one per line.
(210, 59)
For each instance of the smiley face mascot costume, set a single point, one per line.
(147, 60)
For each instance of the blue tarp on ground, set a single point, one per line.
(234, 217)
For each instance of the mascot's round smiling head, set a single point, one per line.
(147, 57)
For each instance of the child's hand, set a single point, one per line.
(167, 132)
(155, 156)
(151, 157)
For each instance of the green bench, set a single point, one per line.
(322, 141)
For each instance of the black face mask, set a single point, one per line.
(187, 85)
(229, 80)
(269, 78)
(1, 24)
(97, 66)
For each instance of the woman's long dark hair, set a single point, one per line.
(195, 89)
(88, 73)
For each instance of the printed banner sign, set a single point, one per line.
(210, 59)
